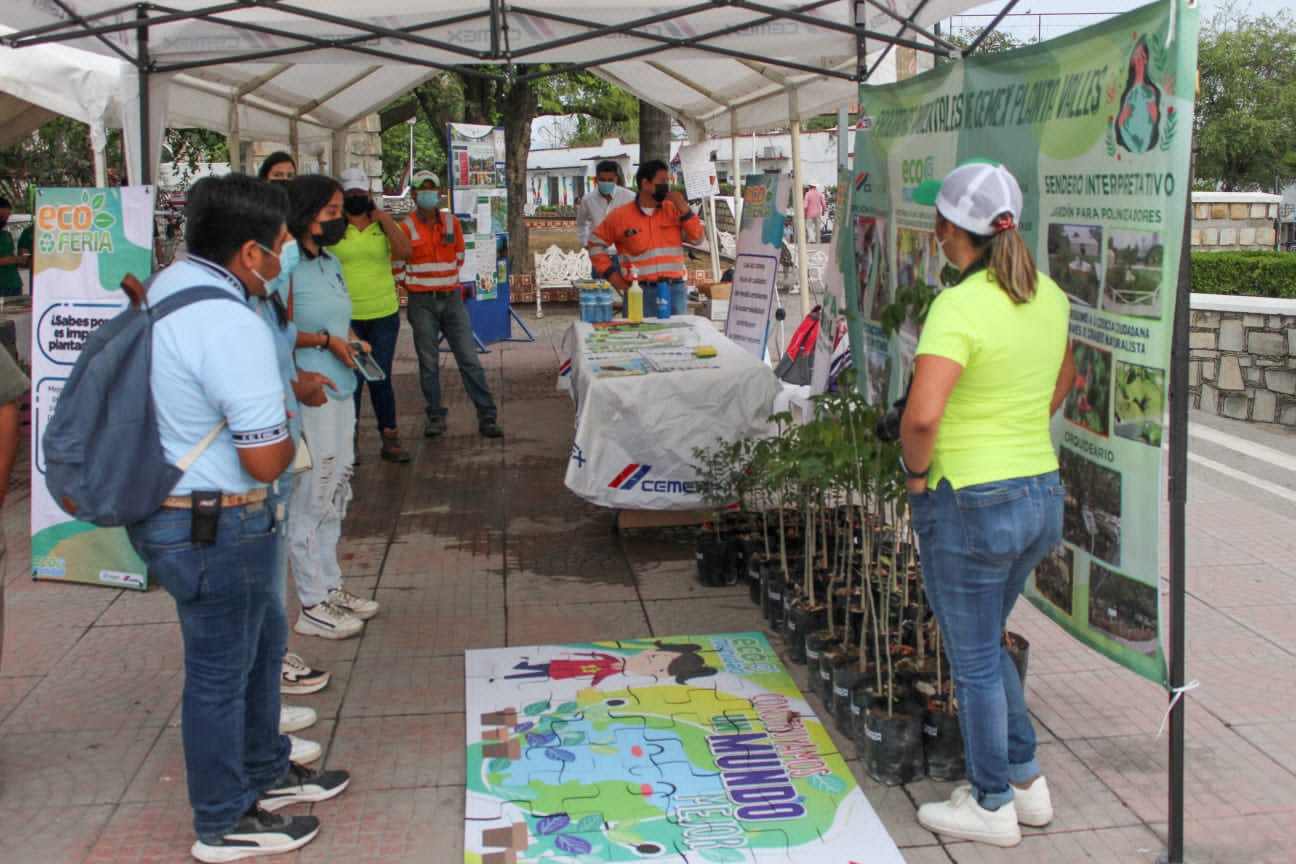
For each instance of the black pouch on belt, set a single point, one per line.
(205, 515)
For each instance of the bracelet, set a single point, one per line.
(327, 339)
(910, 474)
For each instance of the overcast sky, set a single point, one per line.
(1050, 18)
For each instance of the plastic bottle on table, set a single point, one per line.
(634, 300)
(587, 304)
(663, 299)
(605, 302)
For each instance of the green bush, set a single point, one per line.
(1253, 273)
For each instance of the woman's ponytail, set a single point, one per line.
(1009, 260)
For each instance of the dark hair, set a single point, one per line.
(5, 205)
(689, 664)
(648, 170)
(223, 213)
(608, 165)
(275, 158)
(307, 196)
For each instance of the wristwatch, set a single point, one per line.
(323, 331)
(911, 474)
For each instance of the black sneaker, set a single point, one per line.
(303, 784)
(434, 425)
(258, 833)
(489, 428)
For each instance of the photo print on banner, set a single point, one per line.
(1105, 115)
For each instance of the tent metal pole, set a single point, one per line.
(843, 139)
(233, 141)
(715, 238)
(737, 171)
(798, 206)
(1178, 494)
(145, 176)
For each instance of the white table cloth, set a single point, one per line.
(641, 412)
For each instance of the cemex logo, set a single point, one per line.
(637, 474)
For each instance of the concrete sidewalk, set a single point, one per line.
(477, 544)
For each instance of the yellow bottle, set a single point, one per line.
(634, 303)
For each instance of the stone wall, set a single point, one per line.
(1243, 358)
(1224, 221)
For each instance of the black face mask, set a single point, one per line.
(281, 181)
(357, 205)
(4, 221)
(332, 231)
(660, 191)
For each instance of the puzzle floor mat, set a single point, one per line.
(682, 749)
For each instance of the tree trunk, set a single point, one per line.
(519, 108)
(654, 133)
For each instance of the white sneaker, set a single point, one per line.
(358, 606)
(962, 817)
(328, 622)
(299, 678)
(304, 751)
(294, 718)
(1034, 804)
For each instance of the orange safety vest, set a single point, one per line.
(653, 244)
(438, 254)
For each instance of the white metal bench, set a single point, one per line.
(555, 268)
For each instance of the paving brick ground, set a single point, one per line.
(477, 543)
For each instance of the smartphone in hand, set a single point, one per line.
(366, 365)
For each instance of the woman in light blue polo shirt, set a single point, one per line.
(321, 310)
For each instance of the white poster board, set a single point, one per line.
(699, 171)
(760, 240)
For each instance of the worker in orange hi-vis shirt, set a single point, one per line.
(649, 235)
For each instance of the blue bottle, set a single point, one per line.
(664, 299)
(605, 303)
(587, 304)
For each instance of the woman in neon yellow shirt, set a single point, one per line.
(992, 366)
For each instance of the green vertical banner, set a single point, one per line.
(1097, 128)
(86, 241)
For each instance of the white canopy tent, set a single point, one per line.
(288, 70)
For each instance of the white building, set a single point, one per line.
(560, 175)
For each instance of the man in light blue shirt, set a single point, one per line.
(213, 545)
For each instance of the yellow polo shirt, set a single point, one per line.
(996, 424)
(366, 266)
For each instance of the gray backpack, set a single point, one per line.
(104, 462)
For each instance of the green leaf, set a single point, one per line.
(573, 739)
(97, 202)
(536, 708)
(567, 708)
(499, 765)
(604, 749)
(589, 824)
(104, 220)
(829, 784)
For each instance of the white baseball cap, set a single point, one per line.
(973, 196)
(421, 177)
(354, 178)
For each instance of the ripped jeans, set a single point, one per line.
(319, 499)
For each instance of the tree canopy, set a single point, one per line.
(1245, 124)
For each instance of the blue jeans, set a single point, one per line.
(381, 334)
(235, 633)
(979, 544)
(432, 313)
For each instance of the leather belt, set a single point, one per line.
(184, 502)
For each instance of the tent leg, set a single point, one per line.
(715, 238)
(530, 337)
(737, 169)
(100, 167)
(144, 177)
(798, 206)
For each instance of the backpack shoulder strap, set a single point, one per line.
(181, 299)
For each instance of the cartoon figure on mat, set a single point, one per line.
(664, 660)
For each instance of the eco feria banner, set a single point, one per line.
(86, 241)
(1097, 128)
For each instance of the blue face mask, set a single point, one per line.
(428, 200)
(289, 258)
(606, 188)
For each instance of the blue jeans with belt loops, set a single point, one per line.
(979, 545)
(235, 633)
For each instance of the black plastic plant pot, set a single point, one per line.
(893, 747)
(755, 564)
(861, 700)
(819, 642)
(774, 588)
(715, 559)
(943, 746)
(845, 675)
(800, 621)
(1019, 653)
